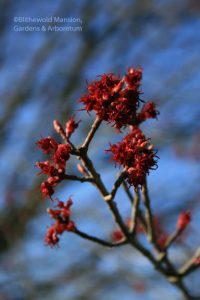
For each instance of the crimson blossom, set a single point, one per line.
(116, 100)
(63, 222)
(136, 155)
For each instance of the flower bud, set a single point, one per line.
(183, 220)
(58, 127)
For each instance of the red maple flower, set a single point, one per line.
(135, 177)
(100, 94)
(134, 153)
(47, 168)
(47, 186)
(148, 111)
(46, 189)
(55, 172)
(51, 237)
(133, 78)
(47, 145)
(61, 215)
(61, 155)
(113, 99)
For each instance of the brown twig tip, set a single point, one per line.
(58, 127)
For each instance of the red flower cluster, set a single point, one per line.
(47, 168)
(62, 155)
(47, 145)
(116, 100)
(183, 221)
(134, 153)
(61, 215)
(55, 166)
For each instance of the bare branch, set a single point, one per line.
(91, 133)
(172, 239)
(131, 198)
(76, 178)
(98, 240)
(135, 211)
(127, 190)
(116, 185)
(149, 217)
(190, 265)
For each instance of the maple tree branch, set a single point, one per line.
(127, 191)
(190, 265)
(161, 260)
(97, 240)
(135, 212)
(76, 178)
(148, 214)
(168, 271)
(116, 185)
(91, 133)
(131, 199)
(171, 239)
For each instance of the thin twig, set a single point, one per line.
(174, 278)
(127, 190)
(116, 185)
(101, 187)
(172, 239)
(76, 178)
(97, 240)
(134, 212)
(190, 265)
(131, 198)
(91, 133)
(149, 217)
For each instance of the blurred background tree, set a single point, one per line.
(42, 77)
